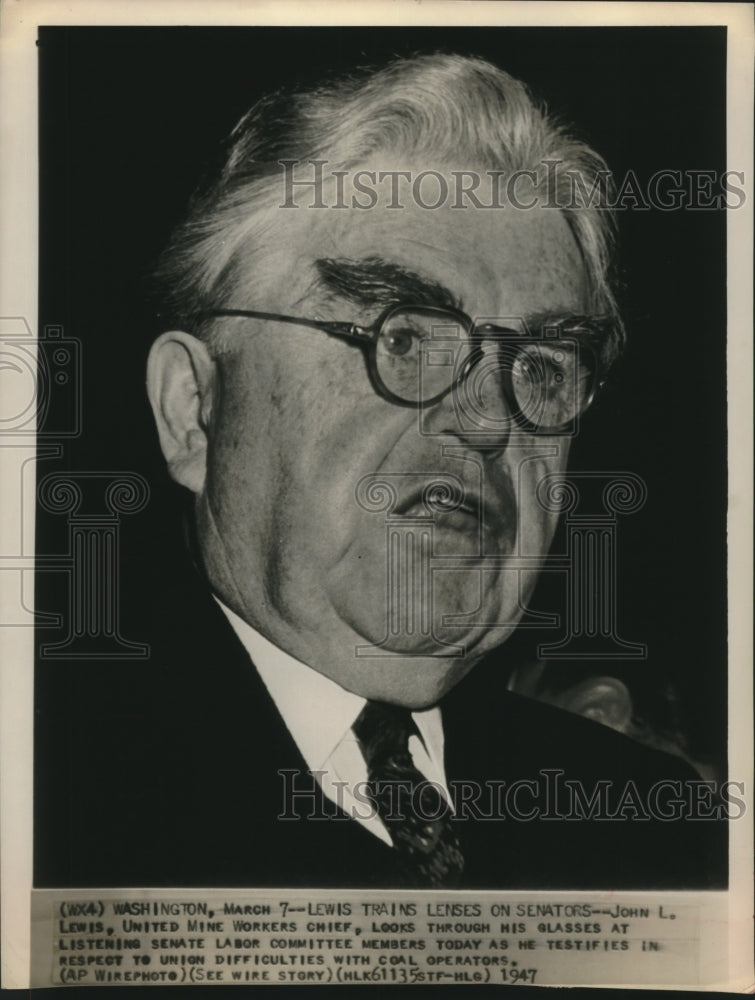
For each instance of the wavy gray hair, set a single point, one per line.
(435, 106)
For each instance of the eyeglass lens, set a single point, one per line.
(420, 355)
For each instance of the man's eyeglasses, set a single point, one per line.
(418, 354)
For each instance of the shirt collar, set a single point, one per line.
(318, 712)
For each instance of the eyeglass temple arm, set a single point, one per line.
(350, 330)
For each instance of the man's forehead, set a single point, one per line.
(483, 261)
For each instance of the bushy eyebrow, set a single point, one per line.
(376, 281)
(567, 322)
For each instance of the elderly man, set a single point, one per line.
(384, 321)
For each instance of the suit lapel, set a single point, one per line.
(237, 766)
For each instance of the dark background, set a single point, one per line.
(130, 119)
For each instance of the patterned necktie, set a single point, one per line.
(413, 810)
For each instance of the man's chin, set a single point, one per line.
(454, 625)
(417, 671)
(447, 643)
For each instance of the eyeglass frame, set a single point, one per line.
(367, 338)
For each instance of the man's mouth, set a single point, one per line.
(465, 509)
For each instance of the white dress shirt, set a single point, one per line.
(319, 714)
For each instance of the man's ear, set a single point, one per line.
(180, 377)
(604, 699)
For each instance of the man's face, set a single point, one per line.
(290, 539)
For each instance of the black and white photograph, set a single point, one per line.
(380, 504)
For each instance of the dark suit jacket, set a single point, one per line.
(168, 774)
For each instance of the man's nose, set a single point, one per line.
(476, 410)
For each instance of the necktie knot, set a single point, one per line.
(383, 731)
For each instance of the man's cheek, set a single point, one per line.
(355, 583)
(536, 530)
(537, 479)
